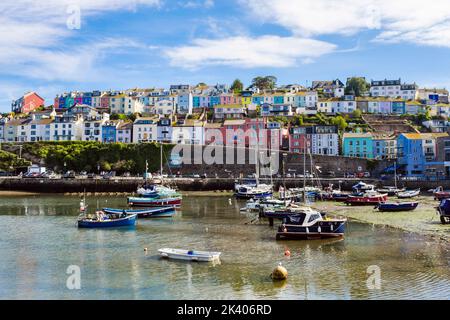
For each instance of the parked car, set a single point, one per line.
(204, 176)
(91, 175)
(69, 175)
(366, 174)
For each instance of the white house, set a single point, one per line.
(92, 127)
(189, 132)
(385, 88)
(164, 107)
(124, 132)
(145, 130)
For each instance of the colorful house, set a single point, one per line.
(29, 102)
(418, 153)
(359, 145)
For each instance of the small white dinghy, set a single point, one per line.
(190, 255)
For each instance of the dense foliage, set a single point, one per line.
(92, 156)
(357, 86)
(9, 161)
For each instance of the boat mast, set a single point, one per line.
(257, 165)
(161, 160)
(304, 169)
(146, 172)
(395, 173)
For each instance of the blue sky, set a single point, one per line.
(154, 43)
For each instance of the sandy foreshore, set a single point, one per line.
(17, 193)
(424, 220)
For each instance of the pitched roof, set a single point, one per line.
(422, 136)
(358, 135)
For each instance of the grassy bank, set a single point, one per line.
(423, 220)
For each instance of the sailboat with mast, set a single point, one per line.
(156, 195)
(257, 190)
(155, 190)
(392, 191)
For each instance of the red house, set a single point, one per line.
(29, 102)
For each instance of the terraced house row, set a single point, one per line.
(203, 114)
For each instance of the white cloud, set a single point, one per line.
(34, 34)
(246, 52)
(193, 4)
(415, 21)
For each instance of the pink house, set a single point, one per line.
(385, 107)
(229, 99)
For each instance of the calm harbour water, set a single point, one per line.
(39, 240)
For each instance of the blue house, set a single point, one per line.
(215, 100)
(109, 132)
(278, 100)
(258, 100)
(399, 107)
(196, 102)
(358, 145)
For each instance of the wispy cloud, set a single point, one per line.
(34, 32)
(195, 4)
(413, 21)
(246, 52)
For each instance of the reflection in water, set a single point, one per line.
(39, 240)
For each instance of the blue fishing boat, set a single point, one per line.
(444, 211)
(162, 212)
(107, 221)
(102, 219)
(397, 207)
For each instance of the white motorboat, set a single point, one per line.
(408, 194)
(189, 255)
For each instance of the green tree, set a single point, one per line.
(237, 86)
(357, 86)
(265, 83)
(357, 114)
(340, 122)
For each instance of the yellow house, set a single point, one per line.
(246, 101)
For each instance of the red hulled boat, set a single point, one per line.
(366, 199)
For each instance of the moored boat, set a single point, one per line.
(189, 255)
(283, 213)
(367, 198)
(391, 191)
(439, 193)
(102, 219)
(259, 192)
(310, 226)
(444, 211)
(107, 221)
(397, 207)
(408, 194)
(154, 191)
(361, 187)
(154, 202)
(162, 212)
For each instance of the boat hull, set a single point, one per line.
(366, 201)
(386, 207)
(164, 212)
(151, 202)
(122, 222)
(248, 196)
(323, 230)
(441, 195)
(197, 256)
